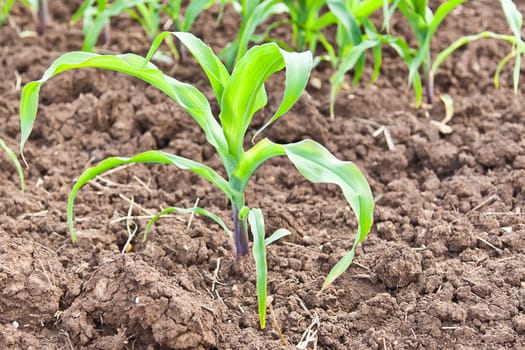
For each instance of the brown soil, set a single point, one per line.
(443, 268)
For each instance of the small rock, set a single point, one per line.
(316, 83)
(519, 324)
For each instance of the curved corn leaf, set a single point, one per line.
(298, 68)
(256, 220)
(318, 165)
(252, 159)
(277, 235)
(211, 65)
(145, 157)
(518, 45)
(190, 98)
(15, 161)
(240, 102)
(366, 8)
(199, 211)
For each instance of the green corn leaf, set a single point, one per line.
(191, 99)
(415, 20)
(417, 85)
(79, 13)
(239, 102)
(93, 26)
(15, 161)
(4, 10)
(252, 159)
(194, 9)
(318, 165)
(515, 21)
(324, 21)
(298, 67)
(420, 7)
(366, 8)
(347, 20)
(348, 61)
(145, 157)
(516, 43)
(516, 72)
(256, 220)
(277, 235)
(199, 211)
(513, 16)
(424, 50)
(501, 65)
(388, 12)
(339, 268)
(252, 20)
(377, 53)
(211, 65)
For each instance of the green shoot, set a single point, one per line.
(96, 15)
(253, 13)
(239, 95)
(355, 35)
(424, 23)
(15, 161)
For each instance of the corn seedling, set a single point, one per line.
(39, 9)
(355, 35)
(253, 13)
(96, 15)
(308, 18)
(148, 15)
(425, 23)
(15, 161)
(515, 20)
(239, 95)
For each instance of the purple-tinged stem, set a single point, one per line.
(43, 16)
(240, 233)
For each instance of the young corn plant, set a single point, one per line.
(253, 13)
(356, 34)
(308, 18)
(425, 23)
(239, 95)
(515, 21)
(96, 14)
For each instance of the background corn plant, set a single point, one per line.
(425, 23)
(253, 13)
(239, 95)
(39, 9)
